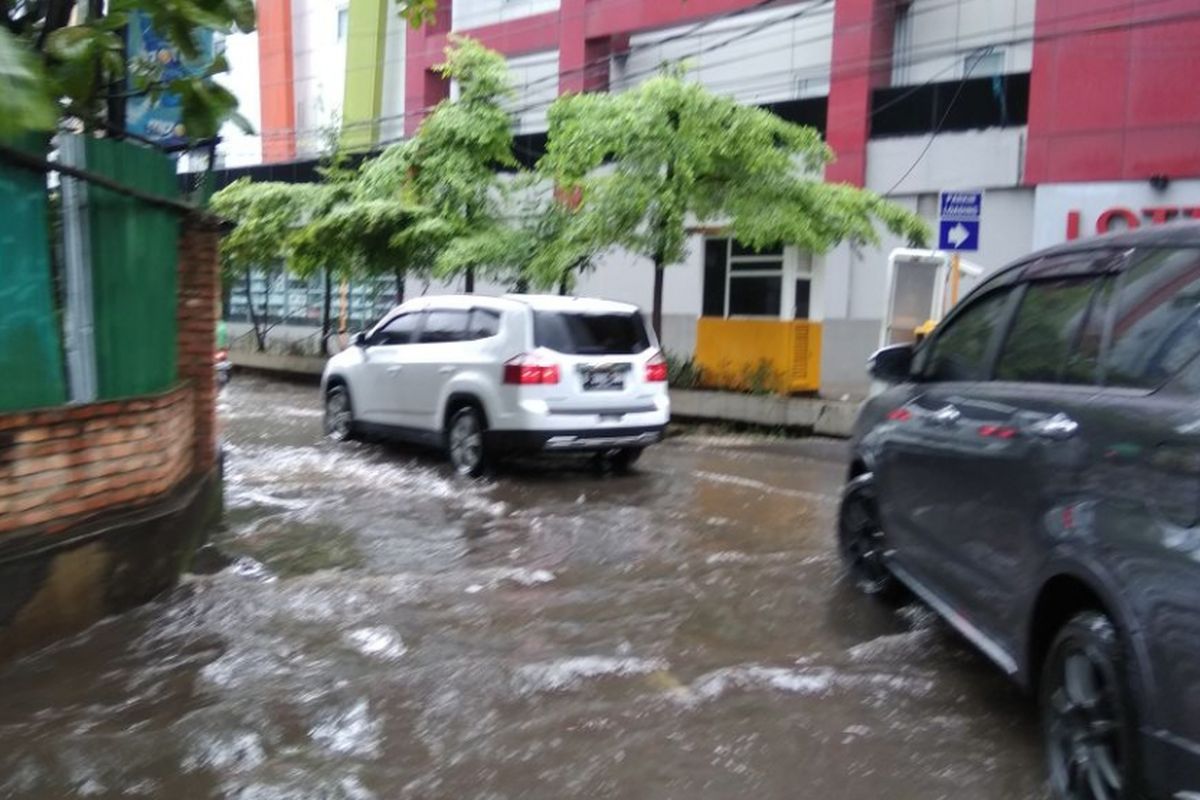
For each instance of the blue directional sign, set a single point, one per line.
(958, 221)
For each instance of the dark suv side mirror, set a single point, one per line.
(891, 364)
(359, 339)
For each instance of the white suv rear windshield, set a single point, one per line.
(582, 334)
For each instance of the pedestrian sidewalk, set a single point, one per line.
(819, 416)
(807, 414)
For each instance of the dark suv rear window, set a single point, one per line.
(580, 334)
(1156, 330)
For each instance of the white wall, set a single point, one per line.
(934, 38)
(238, 149)
(968, 160)
(475, 13)
(535, 83)
(320, 73)
(391, 128)
(1056, 200)
(771, 56)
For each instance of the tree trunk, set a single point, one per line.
(656, 312)
(327, 314)
(259, 337)
(399, 287)
(522, 286)
(562, 286)
(469, 282)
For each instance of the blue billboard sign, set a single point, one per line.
(160, 118)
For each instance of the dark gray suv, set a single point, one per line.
(1033, 474)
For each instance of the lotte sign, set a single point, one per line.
(1064, 212)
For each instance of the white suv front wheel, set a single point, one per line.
(464, 441)
(339, 414)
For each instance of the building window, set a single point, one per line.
(343, 24)
(985, 63)
(742, 282)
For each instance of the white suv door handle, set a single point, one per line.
(1059, 426)
(394, 369)
(445, 370)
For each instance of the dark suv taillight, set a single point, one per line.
(530, 370)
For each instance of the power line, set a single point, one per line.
(872, 63)
(606, 60)
(936, 130)
(823, 70)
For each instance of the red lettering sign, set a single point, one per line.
(1159, 215)
(1104, 221)
(1154, 215)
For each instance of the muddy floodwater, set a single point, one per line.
(380, 629)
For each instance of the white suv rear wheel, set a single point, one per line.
(464, 441)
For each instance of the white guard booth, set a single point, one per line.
(920, 293)
(920, 290)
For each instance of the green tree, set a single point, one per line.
(452, 167)
(270, 219)
(539, 246)
(430, 205)
(650, 162)
(57, 64)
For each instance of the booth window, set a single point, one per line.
(742, 282)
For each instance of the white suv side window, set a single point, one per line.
(401, 330)
(443, 326)
(483, 324)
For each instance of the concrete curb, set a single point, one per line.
(278, 362)
(822, 417)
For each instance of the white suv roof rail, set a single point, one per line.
(556, 302)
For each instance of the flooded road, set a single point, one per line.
(387, 631)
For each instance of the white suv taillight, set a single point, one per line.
(527, 370)
(656, 369)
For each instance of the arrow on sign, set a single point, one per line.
(958, 234)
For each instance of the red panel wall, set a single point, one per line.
(862, 52)
(581, 30)
(276, 84)
(1115, 91)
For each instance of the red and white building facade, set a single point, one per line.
(1072, 116)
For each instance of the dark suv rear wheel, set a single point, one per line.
(861, 542)
(1088, 718)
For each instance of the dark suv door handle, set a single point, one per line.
(946, 415)
(1057, 427)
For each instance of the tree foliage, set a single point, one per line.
(538, 245)
(270, 217)
(653, 161)
(452, 167)
(397, 212)
(56, 63)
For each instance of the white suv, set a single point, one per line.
(484, 377)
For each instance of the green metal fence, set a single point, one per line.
(31, 362)
(127, 250)
(134, 255)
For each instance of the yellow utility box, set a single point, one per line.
(783, 356)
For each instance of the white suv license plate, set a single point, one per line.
(603, 381)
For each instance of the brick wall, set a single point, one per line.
(197, 315)
(62, 464)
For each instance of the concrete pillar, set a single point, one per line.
(197, 310)
(862, 50)
(276, 75)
